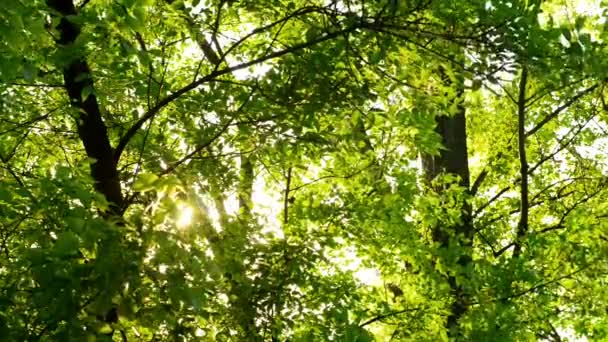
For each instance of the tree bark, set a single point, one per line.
(453, 159)
(92, 131)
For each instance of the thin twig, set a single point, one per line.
(387, 315)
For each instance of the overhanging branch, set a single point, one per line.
(211, 77)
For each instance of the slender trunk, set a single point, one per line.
(522, 227)
(453, 160)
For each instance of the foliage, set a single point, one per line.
(225, 170)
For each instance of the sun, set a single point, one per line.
(184, 216)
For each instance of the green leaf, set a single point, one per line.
(376, 56)
(145, 182)
(67, 244)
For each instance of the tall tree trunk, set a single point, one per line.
(92, 131)
(453, 159)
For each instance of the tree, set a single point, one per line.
(227, 170)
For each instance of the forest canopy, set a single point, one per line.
(303, 170)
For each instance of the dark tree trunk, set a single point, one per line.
(92, 131)
(453, 159)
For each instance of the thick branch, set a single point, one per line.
(477, 183)
(203, 44)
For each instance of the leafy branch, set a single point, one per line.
(212, 76)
